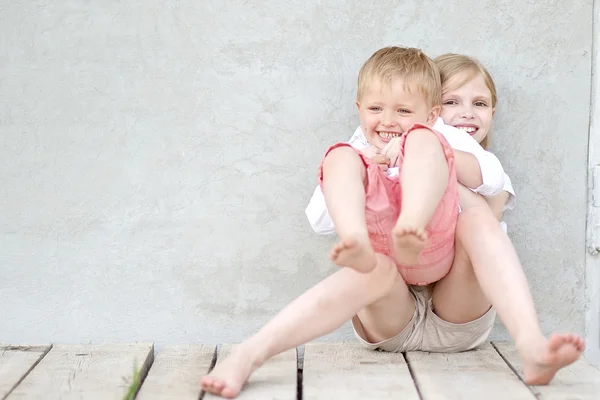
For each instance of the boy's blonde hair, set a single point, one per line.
(412, 65)
(451, 65)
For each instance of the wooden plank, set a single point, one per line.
(176, 372)
(276, 379)
(477, 374)
(579, 380)
(349, 371)
(15, 364)
(85, 372)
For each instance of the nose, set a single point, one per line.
(387, 119)
(466, 112)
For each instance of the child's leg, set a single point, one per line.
(502, 281)
(320, 310)
(424, 178)
(458, 297)
(344, 180)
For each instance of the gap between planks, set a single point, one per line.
(330, 369)
(97, 371)
(579, 379)
(275, 379)
(176, 372)
(16, 362)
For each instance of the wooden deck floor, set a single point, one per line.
(329, 371)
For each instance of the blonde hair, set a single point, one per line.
(451, 65)
(412, 65)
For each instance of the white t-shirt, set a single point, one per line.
(510, 203)
(494, 178)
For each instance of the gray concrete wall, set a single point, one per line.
(157, 156)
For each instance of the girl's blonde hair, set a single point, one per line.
(451, 65)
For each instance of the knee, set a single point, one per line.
(423, 138)
(339, 153)
(475, 219)
(343, 157)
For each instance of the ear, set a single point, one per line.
(493, 111)
(357, 105)
(433, 115)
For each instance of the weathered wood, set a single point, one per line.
(348, 371)
(579, 380)
(478, 374)
(176, 372)
(331, 371)
(15, 364)
(85, 372)
(276, 379)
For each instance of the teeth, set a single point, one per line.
(468, 129)
(389, 135)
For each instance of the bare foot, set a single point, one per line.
(355, 254)
(227, 377)
(408, 243)
(541, 361)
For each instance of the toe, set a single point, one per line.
(218, 385)
(208, 389)
(555, 342)
(206, 382)
(569, 338)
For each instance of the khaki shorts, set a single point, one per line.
(428, 332)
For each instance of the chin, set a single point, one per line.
(479, 139)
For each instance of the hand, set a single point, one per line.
(391, 151)
(382, 161)
(373, 153)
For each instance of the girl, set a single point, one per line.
(486, 270)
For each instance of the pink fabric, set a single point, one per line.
(383, 205)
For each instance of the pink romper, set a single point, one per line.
(383, 205)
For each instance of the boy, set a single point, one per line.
(409, 217)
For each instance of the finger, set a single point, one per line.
(379, 158)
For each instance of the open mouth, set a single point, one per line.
(470, 129)
(387, 136)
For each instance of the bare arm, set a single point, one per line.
(488, 179)
(497, 204)
(468, 171)
(468, 199)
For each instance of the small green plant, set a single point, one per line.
(135, 384)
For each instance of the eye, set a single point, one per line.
(450, 103)
(403, 111)
(374, 108)
(481, 104)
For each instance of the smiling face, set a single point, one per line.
(388, 110)
(468, 107)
